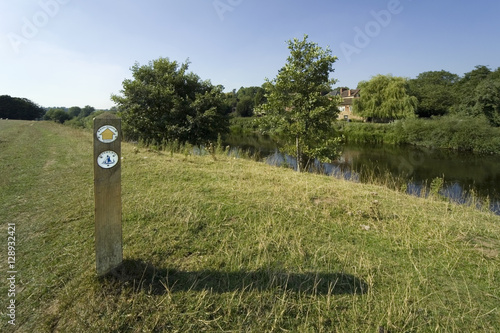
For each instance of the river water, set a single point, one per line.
(467, 177)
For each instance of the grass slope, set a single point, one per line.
(230, 245)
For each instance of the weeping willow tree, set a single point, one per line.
(385, 98)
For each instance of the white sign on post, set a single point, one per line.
(107, 159)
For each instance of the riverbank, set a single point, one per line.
(462, 134)
(449, 132)
(464, 177)
(216, 243)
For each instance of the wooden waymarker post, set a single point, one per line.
(107, 193)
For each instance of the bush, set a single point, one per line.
(164, 102)
(465, 134)
(243, 125)
(368, 133)
(451, 132)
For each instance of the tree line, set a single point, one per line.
(19, 108)
(25, 109)
(430, 94)
(164, 102)
(74, 115)
(383, 98)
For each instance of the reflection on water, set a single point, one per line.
(466, 176)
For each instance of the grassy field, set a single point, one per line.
(218, 244)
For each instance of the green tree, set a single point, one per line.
(259, 97)
(488, 100)
(385, 98)
(230, 101)
(165, 102)
(58, 115)
(19, 108)
(297, 109)
(434, 92)
(247, 99)
(74, 111)
(86, 111)
(466, 91)
(245, 106)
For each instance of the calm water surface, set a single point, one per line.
(465, 175)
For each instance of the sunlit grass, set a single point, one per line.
(222, 244)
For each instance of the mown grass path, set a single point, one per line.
(217, 244)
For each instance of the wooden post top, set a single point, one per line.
(107, 115)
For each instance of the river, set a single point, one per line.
(466, 177)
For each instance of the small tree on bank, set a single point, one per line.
(298, 108)
(385, 98)
(165, 102)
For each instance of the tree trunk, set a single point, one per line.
(299, 154)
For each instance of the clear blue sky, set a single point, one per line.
(78, 52)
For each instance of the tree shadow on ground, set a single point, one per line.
(143, 276)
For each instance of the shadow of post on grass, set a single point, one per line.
(144, 277)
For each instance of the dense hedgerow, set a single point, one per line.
(465, 134)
